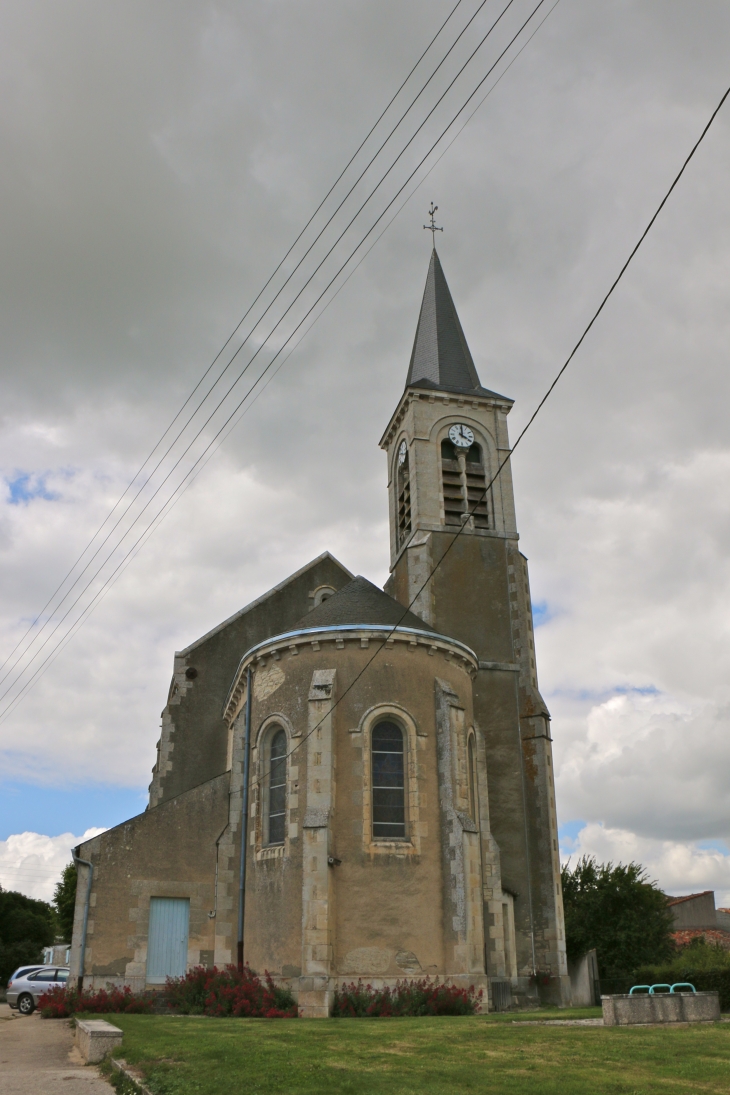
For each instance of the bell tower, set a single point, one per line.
(444, 444)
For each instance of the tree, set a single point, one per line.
(619, 912)
(64, 901)
(26, 927)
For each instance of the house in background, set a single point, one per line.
(57, 955)
(695, 916)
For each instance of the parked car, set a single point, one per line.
(25, 988)
(25, 969)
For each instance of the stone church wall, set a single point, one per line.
(193, 741)
(334, 904)
(169, 851)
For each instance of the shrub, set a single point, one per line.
(229, 991)
(700, 955)
(64, 901)
(617, 910)
(59, 1002)
(26, 927)
(423, 997)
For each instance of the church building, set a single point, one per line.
(354, 782)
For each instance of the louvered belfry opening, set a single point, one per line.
(451, 480)
(476, 482)
(404, 502)
(465, 491)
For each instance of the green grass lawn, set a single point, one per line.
(197, 1056)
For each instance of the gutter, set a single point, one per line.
(84, 863)
(374, 629)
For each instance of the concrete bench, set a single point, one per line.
(676, 1007)
(95, 1038)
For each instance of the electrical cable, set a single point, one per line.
(260, 347)
(363, 257)
(357, 265)
(266, 369)
(245, 316)
(522, 432)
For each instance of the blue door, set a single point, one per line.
(167, 945)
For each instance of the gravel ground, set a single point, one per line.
(37, 1054)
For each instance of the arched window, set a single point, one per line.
(464, 488)
(389, 798)
(277, 787)
(404, 494)
(471, 762)
(322, 593)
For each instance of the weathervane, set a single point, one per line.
(432, 226)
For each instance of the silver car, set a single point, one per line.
(25, 988)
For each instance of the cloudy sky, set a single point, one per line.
(158, 161)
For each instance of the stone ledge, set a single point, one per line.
(95, 1038)
(676, 1007)
(131, 1074)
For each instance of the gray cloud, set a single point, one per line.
(158, 162)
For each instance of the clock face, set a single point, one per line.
(402, 453)
(461, 436)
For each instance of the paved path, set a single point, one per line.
(38, 1057)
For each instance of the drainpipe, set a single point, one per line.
(244, 819)
(84, 863)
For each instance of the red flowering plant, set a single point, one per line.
(229, 992)
(541, 977)
(422, 997)
(60, 1002)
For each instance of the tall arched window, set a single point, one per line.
(476, 482)
(464, 485)
(277, 787)
(389, 794)
(404, 494)
(451, 483)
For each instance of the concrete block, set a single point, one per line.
(675, 1007)
(95, 1038)
(314, 1002)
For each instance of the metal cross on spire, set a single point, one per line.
(432, 226)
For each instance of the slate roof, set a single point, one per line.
(441, 358)
(361, 602)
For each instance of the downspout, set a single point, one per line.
(87, 899)
(214, 911)
(244, 820)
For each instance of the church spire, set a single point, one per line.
(441, 357)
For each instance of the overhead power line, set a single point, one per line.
(178, 493)
(503, 463)
(262, 344)
(239, 325)
(309, 311)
